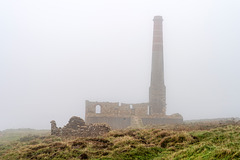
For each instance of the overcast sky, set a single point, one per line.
(56, 54)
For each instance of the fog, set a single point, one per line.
(56, 54)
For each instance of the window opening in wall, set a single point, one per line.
(131, 106)
(119, 104)
(148, 110)
(98, 109)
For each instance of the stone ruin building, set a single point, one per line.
(117, 115)
(120, 116)
(76, 127)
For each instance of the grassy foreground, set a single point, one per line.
(163, 142)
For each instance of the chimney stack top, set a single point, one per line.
(157, 18)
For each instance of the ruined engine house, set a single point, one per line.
(123, 115)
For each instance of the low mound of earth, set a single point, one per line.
(187, 141)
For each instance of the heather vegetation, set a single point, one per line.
(188, 141)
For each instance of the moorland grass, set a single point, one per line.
(182, 142)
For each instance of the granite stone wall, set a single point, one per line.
(116, 109)
(114, 122)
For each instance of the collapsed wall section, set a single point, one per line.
(76, 127)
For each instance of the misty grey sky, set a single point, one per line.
(56, 54)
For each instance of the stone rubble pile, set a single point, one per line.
(76, 127)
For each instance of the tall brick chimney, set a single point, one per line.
(157, 90)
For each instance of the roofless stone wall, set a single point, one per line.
(116, 109)
(76, 127)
